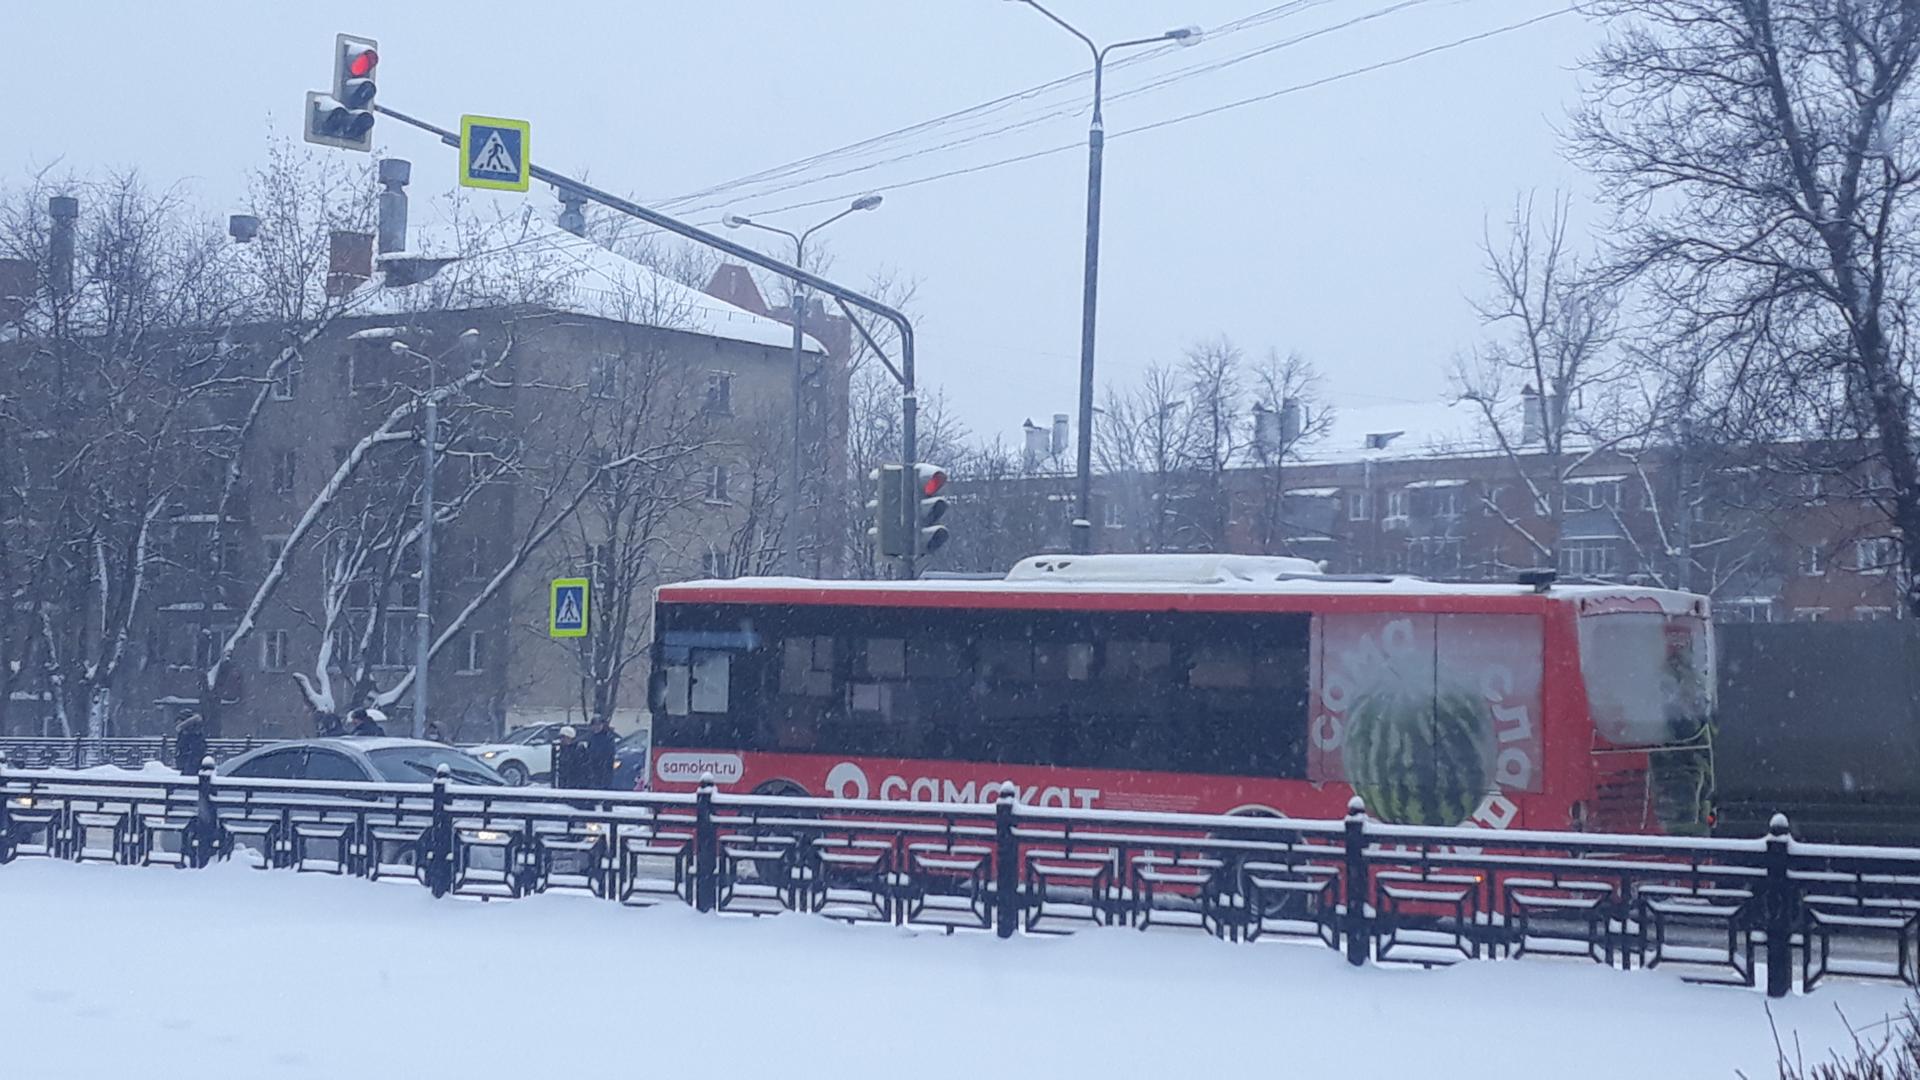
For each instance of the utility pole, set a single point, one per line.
(1082, 527)
(792, 561)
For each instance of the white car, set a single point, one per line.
(523, 755)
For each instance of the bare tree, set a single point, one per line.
(1145, 441)
(1290, 406)
(104, 383)
(1559, 323)
(1763, 159)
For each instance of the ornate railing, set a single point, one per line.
(1772, 910)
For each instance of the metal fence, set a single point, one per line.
(128, 752)
(1770, 910)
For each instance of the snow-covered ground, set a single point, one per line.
(231, 972)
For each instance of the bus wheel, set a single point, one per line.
(754, 872)
(782, 788)
(1284, 904)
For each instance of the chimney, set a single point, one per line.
(1266, 431)
(243, 227)
(1531, 429)
(17, 284)
(573, 213)
(1059, 443)
(391, 214)
(349, 261)
(65, 211)
(1293, 416)
(1036, 444)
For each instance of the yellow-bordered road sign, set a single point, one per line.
(567, 608)
(494, 153)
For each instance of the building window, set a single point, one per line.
(1809, 614)
(273, 546)
(1113, 515)
(1867, 613)
(273, 650)
(1744, 609)
(1359, 506)
(1810, 486)
(1873, 555)
(713, 564)
(207, 646)
(284, 464)
(227, 556)
(397, 640)
(718, 484)
(1813, 561)
(1397, 503)
(1446, 503)
(1589, 557)
(1593, 494)
(720, 393)
(604, 378)
(287, 382)
(473, 659)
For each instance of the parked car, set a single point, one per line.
(630, 761)
(522, 755)
(407, 761)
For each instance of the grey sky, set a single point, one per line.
(1342, 220)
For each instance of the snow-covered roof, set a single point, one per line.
(1314, 492)
(529, 260)
(1424, 484)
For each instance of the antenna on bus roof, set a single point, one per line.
(1539, 580)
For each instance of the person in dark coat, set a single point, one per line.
(366, 724)
(189, 743)
(600, 754)
(569, 760)
(433, 732)
(327, 725)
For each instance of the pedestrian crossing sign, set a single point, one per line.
(494, 153)
(567, 608)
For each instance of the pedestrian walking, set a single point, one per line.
(569, 760)
(327, 725)
(433, 732)
(601, 746)
(189, 742)
(366, 724)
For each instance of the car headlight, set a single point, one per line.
(490, 754)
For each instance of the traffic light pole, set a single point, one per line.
(909, 402)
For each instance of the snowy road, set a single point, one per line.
(119, 972)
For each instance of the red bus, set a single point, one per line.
(1210, 684)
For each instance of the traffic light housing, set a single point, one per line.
(889, 529)
(344, 117)
(928, 534)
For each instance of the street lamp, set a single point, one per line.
(1096, 140)
(791, 563)
(429, 428)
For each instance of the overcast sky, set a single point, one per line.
(1341, 220)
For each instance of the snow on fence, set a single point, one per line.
(1736, 911)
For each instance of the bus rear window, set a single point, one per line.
(1649, 676)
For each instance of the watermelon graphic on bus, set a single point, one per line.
(1429, 717)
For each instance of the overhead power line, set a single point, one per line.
(1170, 121)
(982, 111)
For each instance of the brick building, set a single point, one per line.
(1423, 490)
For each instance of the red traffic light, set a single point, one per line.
(361, 61)
(931, 479)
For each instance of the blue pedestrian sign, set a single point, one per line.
(567, 608)
(494, 153)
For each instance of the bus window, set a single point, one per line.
(708, 690)
(1618, 652)
(885, 658)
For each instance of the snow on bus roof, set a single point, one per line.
(1191, 574)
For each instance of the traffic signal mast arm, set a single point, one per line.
(909, 402)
